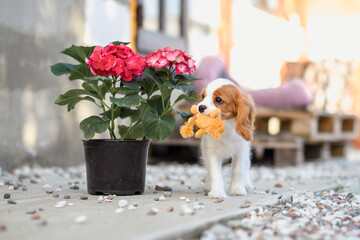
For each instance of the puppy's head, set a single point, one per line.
(233, 103)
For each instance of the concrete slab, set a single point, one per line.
(103, 222)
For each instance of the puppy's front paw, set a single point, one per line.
(213, 194)
(237, 191)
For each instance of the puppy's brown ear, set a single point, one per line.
(245, 117)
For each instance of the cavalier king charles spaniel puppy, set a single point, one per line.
(238, 115)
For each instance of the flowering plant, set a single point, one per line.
(125, 85)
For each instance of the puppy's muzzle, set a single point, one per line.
(202, 108)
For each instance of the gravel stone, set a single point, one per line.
(55, 195)
(84, 197)
(7, 195)
(167, 194)
(81, 219)
(10, 201)
(75, 187)
(67, 197)
(123, 203)
(245, 206)
(30, 210)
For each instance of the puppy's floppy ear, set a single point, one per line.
(245, 117)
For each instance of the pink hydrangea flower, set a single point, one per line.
(179, 60)
(115, 60)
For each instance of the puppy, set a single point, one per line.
(238, 115)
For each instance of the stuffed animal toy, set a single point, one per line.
(206, 124)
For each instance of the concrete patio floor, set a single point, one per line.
(185, 181)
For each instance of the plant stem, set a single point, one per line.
(112, 110)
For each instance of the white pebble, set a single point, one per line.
(131, 207)
(187, 200)
(59, 189)
(60, 204)
(11, 187)
(259, 192)
(356, 219)
(81, 219)
(182, 198)
(156, 210)
(162, 198)
(309, 193)
(46, 186)
(119, 210)
(123, 203)
(100, 199)
(291, 189)
(197, 206)
(167, 194)
(187, 210)
(2, 184)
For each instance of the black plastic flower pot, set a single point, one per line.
(116, 166)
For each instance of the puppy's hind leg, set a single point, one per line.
(246, 174)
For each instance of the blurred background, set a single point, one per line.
(263, 43)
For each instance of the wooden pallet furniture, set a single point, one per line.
(312, 126)
(301, 136)
(324, 135)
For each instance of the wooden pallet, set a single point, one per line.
(302, 136)
(286, 150)
(312, 126)
(326, 150)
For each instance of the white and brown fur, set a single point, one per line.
(238, 114)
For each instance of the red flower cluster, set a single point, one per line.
(116, 60)
(181, 61)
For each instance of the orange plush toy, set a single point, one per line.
(206, 124)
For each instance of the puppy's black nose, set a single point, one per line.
(202, 108)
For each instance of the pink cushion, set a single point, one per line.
(293, 93)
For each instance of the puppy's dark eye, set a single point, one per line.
(219, 100)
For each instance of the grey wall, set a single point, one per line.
(33, 130)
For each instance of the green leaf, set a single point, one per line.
(165, 94)
(122, 130)
(148, 86)
(72, 97)
(183, 114)
(104, 88)
(78, 52)
(183, 88)
(118, 43)
(91, 87)
(150, 73)
(62, 68)
(107, 114)
(131, 100)
(158, 127)
(155, 103)
(125, 91)
(98, 77)
(192, 98)
(80, 72)
(136, 132)
(92, 125)
(134, 85)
